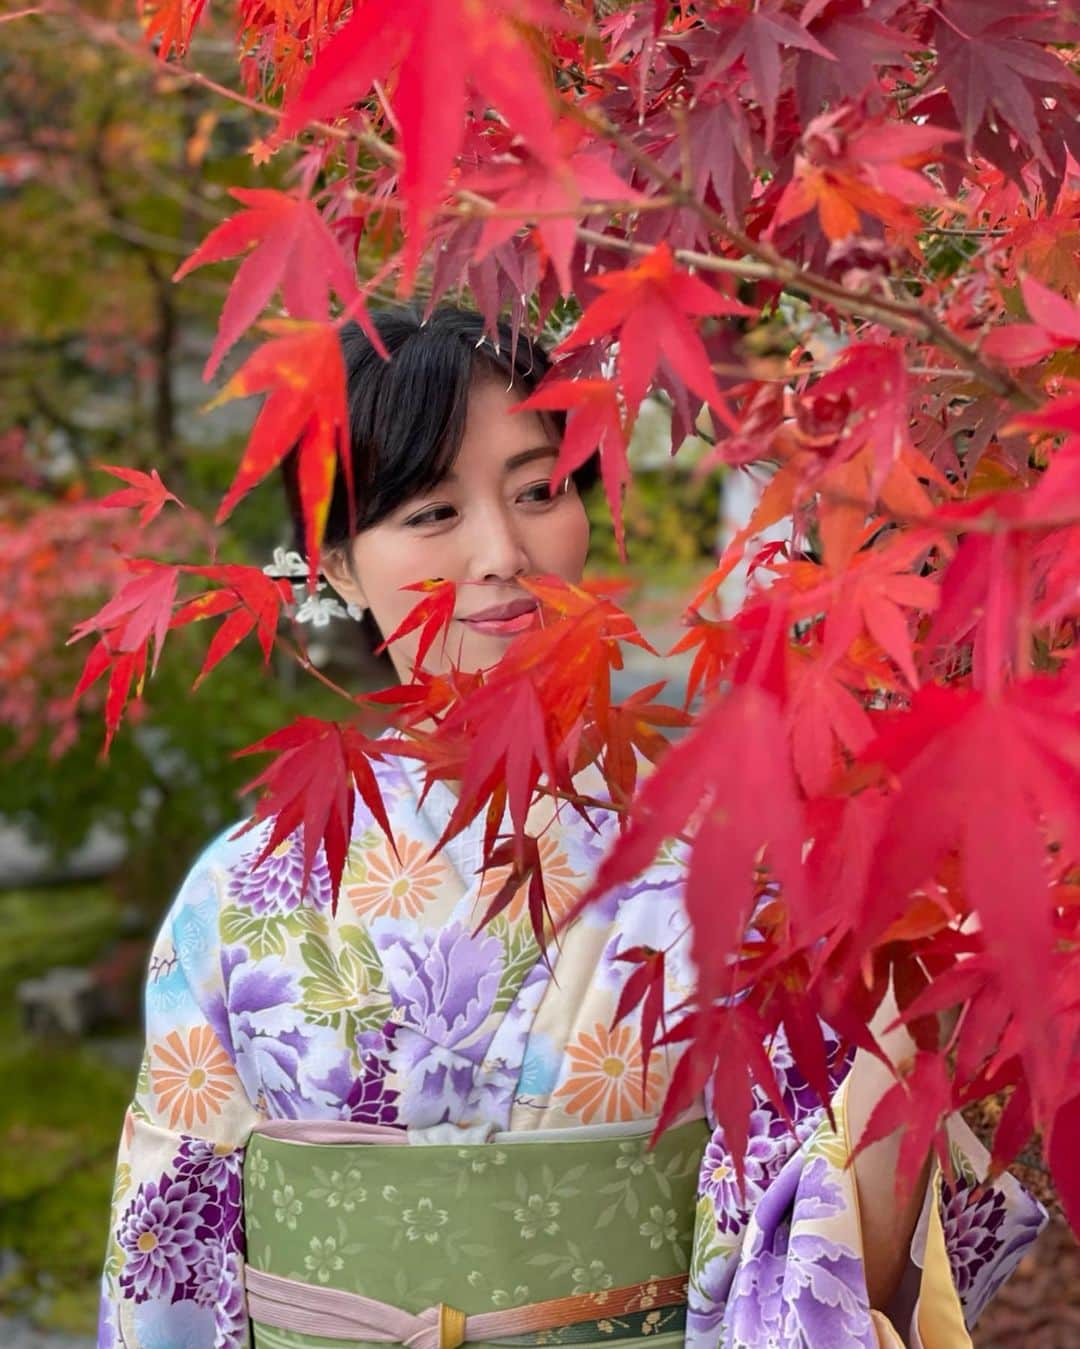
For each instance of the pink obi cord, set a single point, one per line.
(289, 1304)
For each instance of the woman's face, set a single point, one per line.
(490, 521)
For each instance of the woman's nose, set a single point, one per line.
(498, 552)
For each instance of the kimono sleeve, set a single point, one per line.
(174, 1266)
(782, 1263)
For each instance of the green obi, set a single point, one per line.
(483, 1227)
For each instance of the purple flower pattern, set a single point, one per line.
(972, 1222)
(794, 1286)
(274, 886)
(769, 1144)
(442, 985)
(162, 1233)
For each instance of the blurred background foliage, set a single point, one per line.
(110, 174)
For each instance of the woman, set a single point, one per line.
(262, 1188)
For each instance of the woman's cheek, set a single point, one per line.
(568, 542)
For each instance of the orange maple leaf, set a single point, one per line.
(304, 370)
(648, 308)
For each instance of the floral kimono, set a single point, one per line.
(263, 1007)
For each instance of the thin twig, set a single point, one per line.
(305, 662)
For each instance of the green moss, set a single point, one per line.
(65, 925)
(61, 1109)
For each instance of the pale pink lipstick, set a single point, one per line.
(505, 620)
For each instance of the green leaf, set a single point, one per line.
(337, 985)
(359, 941)
(607, 1215)
(262, 933)
(520, 954)
(306, 919)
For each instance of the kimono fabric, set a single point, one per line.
(263, 1008)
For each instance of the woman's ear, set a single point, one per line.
(337, 567)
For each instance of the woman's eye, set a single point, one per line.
(434, 515)
(537, 492)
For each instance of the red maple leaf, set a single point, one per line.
(870, 596)
(861, 45)
(594, 424)
(518, 746)
(1064, 1158)
(629, 730)
(432, 615)
(1059, 414)
(534, 704)
(1015, 563)
(727, 1053)
(717, 137)
(993, 67)
(870, 380)
(173, 21)
(127, 623)
(645, 986)
(823, 711)
(293, 249)
(435, 50)
(523, 861)
(1055, 326)
(848, 166)
(309, 786)
(717, 643)
(249, 599)
(147, 492)
(994, 779)
(734, 819)
(758, 36)
(916, 1106)
(552, 193)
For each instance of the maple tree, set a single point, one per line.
(882, 737)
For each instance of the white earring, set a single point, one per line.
(356, 611)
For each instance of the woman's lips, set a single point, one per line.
(505, 620)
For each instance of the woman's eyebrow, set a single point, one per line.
(516, 460)
(527, 456)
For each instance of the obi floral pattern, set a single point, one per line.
(478, 1227)
(402, 1009)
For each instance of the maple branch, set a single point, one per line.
(584, 800)
(987, 523)
(140, 53)
(598, 803)
(300, 655)
(479, 207)
(899, 315)
(23, 13)
(759, 377)
(959, 232)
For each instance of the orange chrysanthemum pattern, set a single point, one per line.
(604, 1081)
(191, 1078)
(562, 884)
(393, 888)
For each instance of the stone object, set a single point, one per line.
(63, 1002)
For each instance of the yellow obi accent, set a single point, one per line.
(451, 1327)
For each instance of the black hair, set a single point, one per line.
(407, 414)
